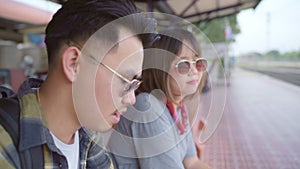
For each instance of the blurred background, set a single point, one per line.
(250, 99)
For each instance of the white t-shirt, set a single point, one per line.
(71, 151)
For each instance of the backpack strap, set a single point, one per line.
(9, 119)
(5, 91)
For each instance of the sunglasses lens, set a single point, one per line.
(201, 65)
(183, 67)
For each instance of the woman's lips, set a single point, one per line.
(193, 82)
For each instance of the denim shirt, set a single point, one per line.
(34, 132)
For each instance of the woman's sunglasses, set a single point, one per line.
(184, 66)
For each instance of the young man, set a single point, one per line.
(91, 80)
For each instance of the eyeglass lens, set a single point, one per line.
(134, 84)
(185, 66)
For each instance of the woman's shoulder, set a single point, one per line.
(148, 113)
(146, 101)
(147, 108)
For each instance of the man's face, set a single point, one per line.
(98, 93)
(110, 89)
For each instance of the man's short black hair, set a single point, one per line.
(77, 20)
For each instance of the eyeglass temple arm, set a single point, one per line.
(113, 71)
(96, 61)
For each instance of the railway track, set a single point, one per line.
(291, 75)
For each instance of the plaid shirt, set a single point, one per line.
(34, 132)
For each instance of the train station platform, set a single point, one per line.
(260, 127)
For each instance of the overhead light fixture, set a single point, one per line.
(34, 11)
(45, 5)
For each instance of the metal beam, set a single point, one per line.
(187, 8)
(164, 7)
(215, 10)
(10, 35)
(34, 29)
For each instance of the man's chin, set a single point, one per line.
(107, 123)
(112, 120)
(102, 128)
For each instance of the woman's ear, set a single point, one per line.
(70, 60)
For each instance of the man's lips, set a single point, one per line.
(120, 110)
(117, 115)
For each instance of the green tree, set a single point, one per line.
(295, 55)
(215, 29)
(273, 53)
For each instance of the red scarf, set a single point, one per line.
(180, 124)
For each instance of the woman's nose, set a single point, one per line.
(194, 69)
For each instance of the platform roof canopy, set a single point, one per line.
(194, 11)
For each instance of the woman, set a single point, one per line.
(156, 131)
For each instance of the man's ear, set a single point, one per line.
(70, 59)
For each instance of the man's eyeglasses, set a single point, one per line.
(184, 66)
(132, 85)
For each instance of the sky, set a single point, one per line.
(273, 25)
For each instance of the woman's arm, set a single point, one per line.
(195, 163)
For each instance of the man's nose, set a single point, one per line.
(129, 98)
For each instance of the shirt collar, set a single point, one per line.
(32, 120)
(31, 117)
